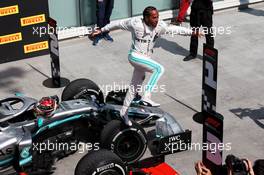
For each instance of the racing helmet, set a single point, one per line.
(46, 106)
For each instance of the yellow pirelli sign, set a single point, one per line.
(10, 10)
(5, 39)
(33, 20)
(36, 47)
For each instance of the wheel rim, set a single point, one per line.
(89, 95)
(129, 146)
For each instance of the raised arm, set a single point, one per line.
(124, 25)
(177, 30)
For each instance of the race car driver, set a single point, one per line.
(144, 34)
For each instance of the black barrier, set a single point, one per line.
(21, 22)
(211, 120)
(213, 137)
(54, 52)
(56, 81)
(209, 83)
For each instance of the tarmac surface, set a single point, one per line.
(240, 81)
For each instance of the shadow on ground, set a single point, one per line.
(7, 78)
(252, 11)
(255, 114)
(173, 47)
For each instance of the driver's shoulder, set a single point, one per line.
(136, 22)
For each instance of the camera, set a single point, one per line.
(236, 165)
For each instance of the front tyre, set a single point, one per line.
(128, 143)
(102, 162)
(83, 89)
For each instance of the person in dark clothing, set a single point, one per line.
(103, 13)
(201, 15)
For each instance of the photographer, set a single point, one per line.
(201, 169)
(236, 166)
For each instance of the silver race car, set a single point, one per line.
(29, 126)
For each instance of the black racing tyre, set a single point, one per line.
(129, 143)
(102, 162)
(82, 89)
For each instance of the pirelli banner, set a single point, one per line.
(23, 29)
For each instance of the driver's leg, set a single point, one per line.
(154, 78)
(148, 65)
(136, 83)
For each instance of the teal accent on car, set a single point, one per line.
(6, 161)
(56, 123)
(25, 161)
(40, 122)
(25, 152)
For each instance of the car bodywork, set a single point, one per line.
(20, 129)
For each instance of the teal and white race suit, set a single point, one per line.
(143, 41)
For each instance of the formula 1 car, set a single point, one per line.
(29, 126)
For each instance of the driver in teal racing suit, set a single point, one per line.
(144, 34)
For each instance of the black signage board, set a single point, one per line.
(22, 29)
